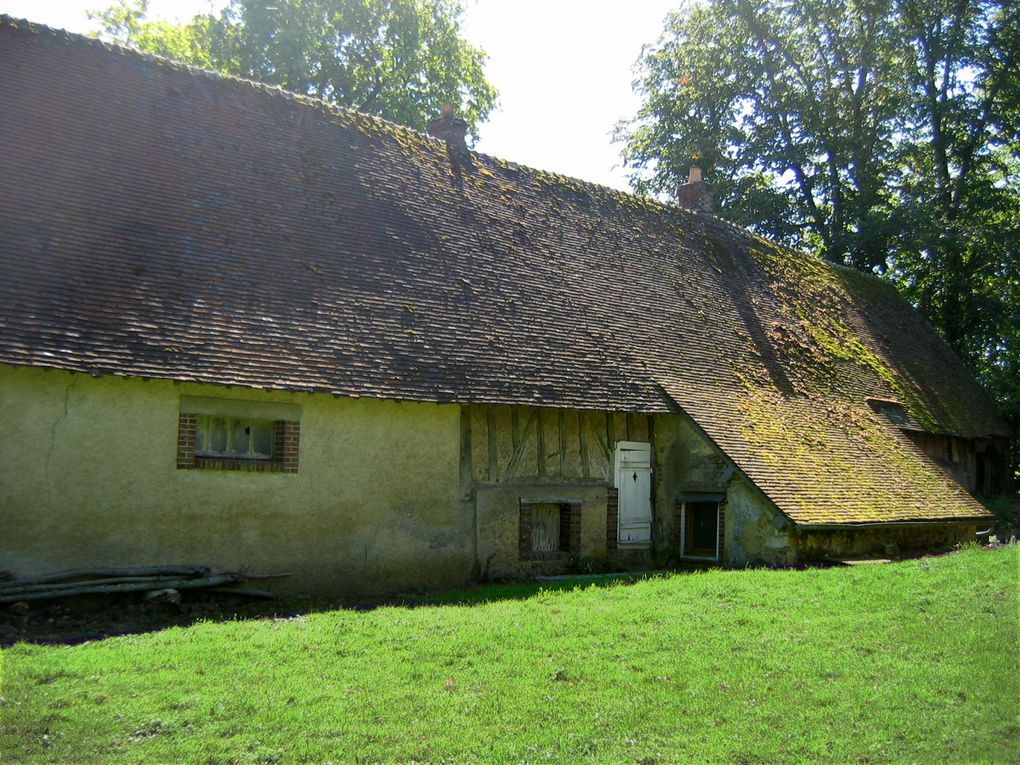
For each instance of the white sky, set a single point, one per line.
(563, 69)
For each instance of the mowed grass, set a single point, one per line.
(907, 662)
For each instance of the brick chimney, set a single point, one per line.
(450, 128)
(696, 194)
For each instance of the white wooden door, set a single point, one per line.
(633, 461)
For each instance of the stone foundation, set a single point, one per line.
(880, 541)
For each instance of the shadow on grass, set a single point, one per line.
(84, 619)
(88, 618)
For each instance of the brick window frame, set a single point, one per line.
(683, 520)
(612, 517)
(286, 436)
(569, 531)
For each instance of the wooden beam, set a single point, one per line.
(563, 442)
(491, 433)
(522, 445)
(602, 444)
(87, 588)
(541, 444)
(124, 571)
(582, 420)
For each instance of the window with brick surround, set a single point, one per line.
(549, 530)
(229, 434)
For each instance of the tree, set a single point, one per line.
(399, 59)
(882, 134)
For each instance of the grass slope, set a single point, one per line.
(907, 662)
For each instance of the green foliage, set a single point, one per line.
(125, 23)
(1006, 509)
(398, 59)
(883, 134)
(906, 662)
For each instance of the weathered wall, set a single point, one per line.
(510, 454)
(498, 526)
(755, 531)
(879, 541)
(688, 462)
(89, 477)
(535, 454)
(507, 444)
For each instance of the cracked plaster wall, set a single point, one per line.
(90, 478)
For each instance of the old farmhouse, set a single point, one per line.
(243, 328)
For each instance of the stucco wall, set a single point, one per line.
(89, 477)
(755, 532)
(688, 462)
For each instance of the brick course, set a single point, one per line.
(612, 517)
(187, 431)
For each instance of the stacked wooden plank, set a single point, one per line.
(110, 581)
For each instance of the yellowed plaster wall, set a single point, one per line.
(89, 477)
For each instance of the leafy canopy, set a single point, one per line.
(882, 134)
(398, 59)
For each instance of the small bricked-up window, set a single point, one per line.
(549, 529)
(701, 521)
(228, 434)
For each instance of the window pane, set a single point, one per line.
(262, 439)
(201, 435)
(240, 438)
(545, 528)
(217, 435)
(234, 437)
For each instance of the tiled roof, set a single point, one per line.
(160, 221)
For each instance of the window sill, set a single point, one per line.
(249, 466)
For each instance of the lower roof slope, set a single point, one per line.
(160, 221)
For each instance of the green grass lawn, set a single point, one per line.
(907, 662)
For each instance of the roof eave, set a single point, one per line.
(803, 527)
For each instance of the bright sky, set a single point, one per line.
(563, 69)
